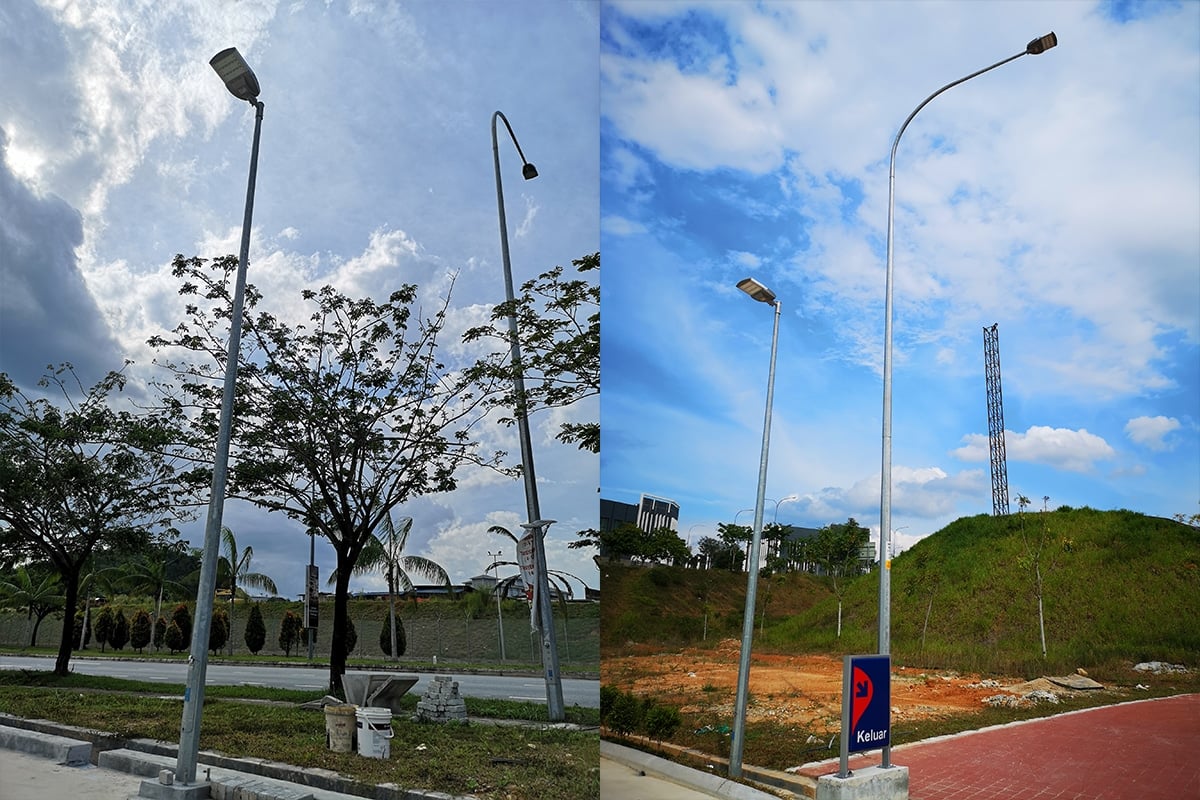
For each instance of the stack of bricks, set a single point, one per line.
(442, 702)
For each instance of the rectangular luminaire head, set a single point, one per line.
(756, 290)
(1041, 44)
(236, 74)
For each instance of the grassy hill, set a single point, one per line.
(674, 606)
(1118, 587)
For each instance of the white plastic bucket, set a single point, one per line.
(374, 732)
(339, 728)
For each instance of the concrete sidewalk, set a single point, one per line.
(629, 774)
(35, 765)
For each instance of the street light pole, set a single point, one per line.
(554, 699)
(499, 611)
(764, 295)
(1035, 47)
(242, 83)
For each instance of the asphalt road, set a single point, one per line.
(584, 693)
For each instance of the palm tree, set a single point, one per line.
(148, 576)
(237, 567)
(383, 553)
(39, 591)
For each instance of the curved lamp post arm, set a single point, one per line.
(1035, 47)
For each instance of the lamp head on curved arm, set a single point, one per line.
(529, 171)
(756, 290)
(1041, 44)
(236, 73)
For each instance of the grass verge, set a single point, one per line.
(490, 762)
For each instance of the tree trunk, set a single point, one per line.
(925, 628)
(87, 607)
(839, 628)
(341, 602)
(1041, 617)
(70, 580)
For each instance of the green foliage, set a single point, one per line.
(256, 630)
(104, 626)
(119, 637)
(662, 722)
(183, 619)
(558, 326)
(218, 630)
(174, 637)
(1128, 589)
(160, 632)
(608, 698)
(139, 630)
(626, 715)
(385, 637)
(289, 632)
(356, 399)
(83, 476)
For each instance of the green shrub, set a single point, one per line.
(104, 626)
(139, 631)
(256, 630)
(662, 722)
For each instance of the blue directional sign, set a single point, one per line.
(866, 704)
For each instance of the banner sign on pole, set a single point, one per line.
(527, 561)
(312, 597)
(866, 705)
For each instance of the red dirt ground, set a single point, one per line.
(793, 689)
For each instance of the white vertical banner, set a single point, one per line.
(527, 561)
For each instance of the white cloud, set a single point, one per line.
(1062, 448)
(1151, 432)
(614, 225)
(744, 259)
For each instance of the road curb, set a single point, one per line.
(63, 749)
(677, 773)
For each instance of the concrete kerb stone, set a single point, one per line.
(145, 757)
(715, 785)
(866, 783)
(64, 750)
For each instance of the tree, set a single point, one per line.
(183, 620)
(139, 630)
(218, 630)
(289, 633)
(558, 327)
(104, 626)
(838, 551)
(120, 631)
(176, 640)
(160, 632)
(148, 574)
(386, 636)
(81, 476)
(664, 545)
(340, 419)
(236, 568)
(384, 553)
(37, 591)
(1033, 559)
(256, 630)
(738, 536)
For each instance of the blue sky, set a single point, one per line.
(1058, 196)
(120, 147)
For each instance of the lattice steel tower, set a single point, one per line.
(995, 408)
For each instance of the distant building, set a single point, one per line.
(614, 514)
(657, 512)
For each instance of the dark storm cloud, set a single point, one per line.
(47, 314)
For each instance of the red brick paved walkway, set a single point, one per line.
(1148, 750)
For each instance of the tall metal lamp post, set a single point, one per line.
(764, 295)
(1035, 47)
(554, 697)
(499, 611)
(242, 83)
